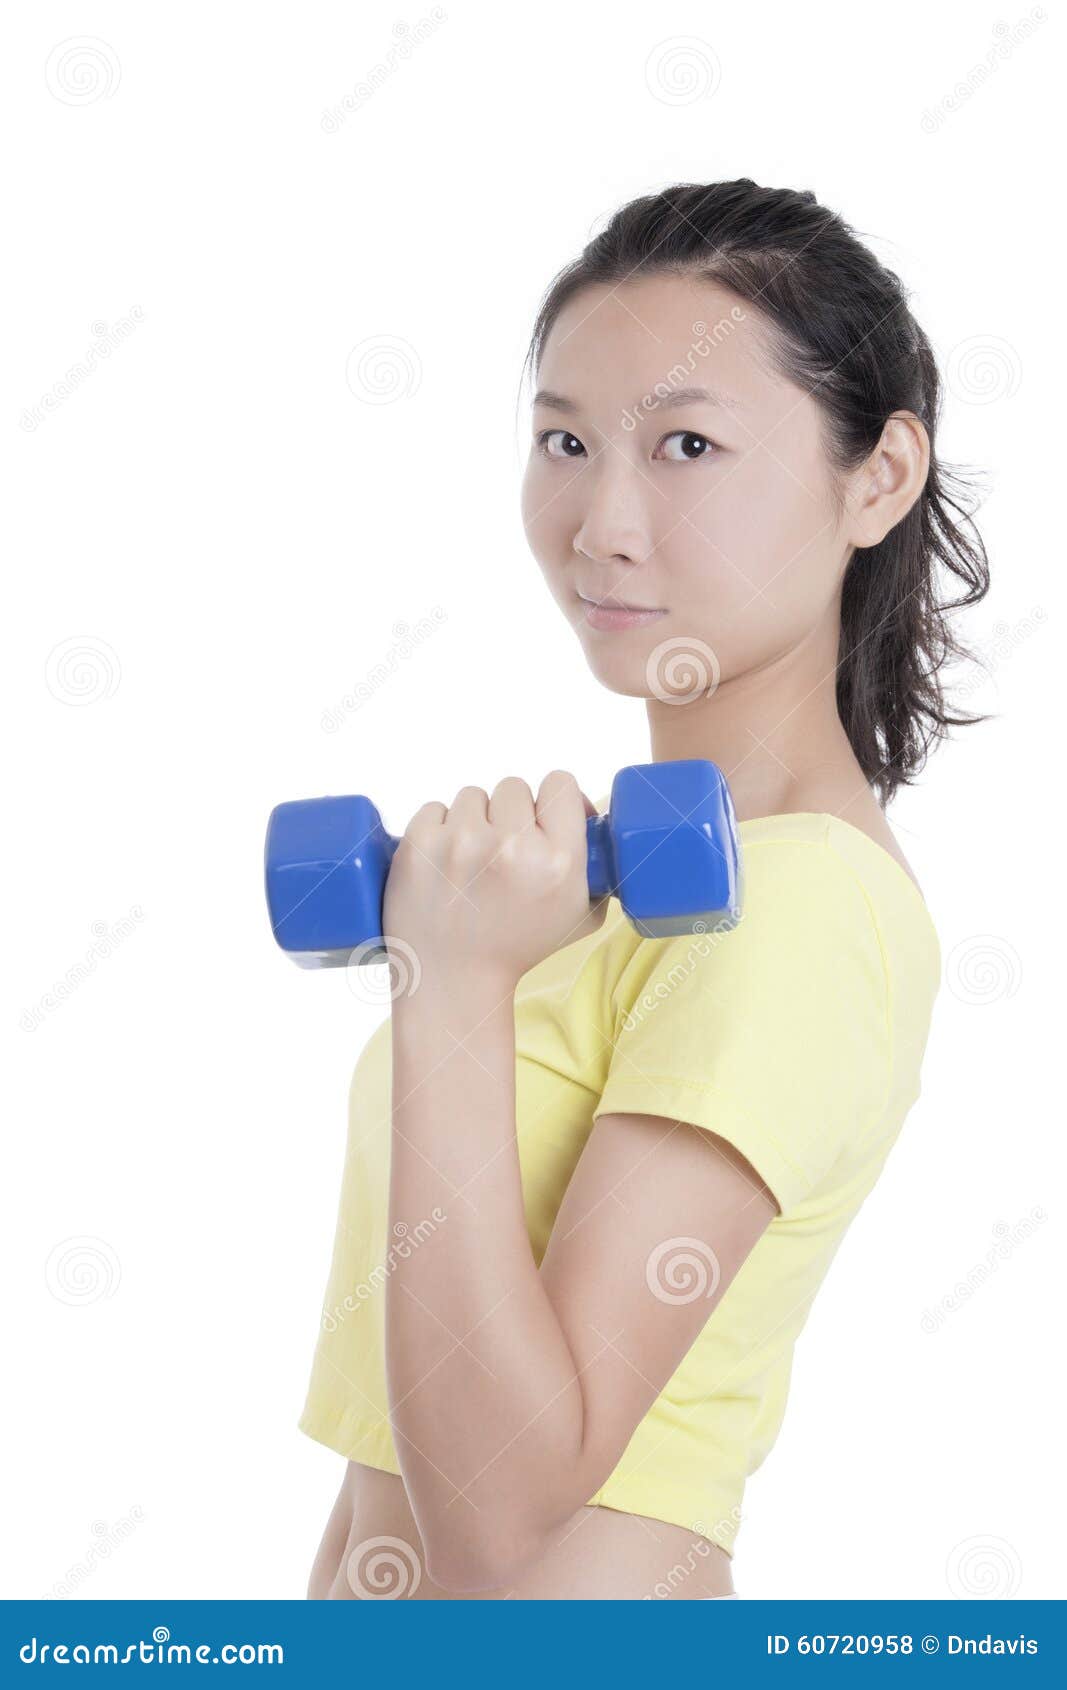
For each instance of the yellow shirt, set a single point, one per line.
(798, 1036)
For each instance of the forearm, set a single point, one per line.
(485, 1404)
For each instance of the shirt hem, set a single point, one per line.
(709, 1107)
(371, 1444)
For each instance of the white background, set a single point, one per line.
(231, 535)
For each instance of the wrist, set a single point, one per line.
(459, 1001)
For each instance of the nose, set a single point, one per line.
(614, 526)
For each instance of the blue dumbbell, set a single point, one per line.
(667, 849)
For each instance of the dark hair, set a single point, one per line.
(841, 329)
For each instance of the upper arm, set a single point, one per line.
(657, 1219)
(743, 1067)
(776, 1035)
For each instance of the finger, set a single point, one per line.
(469, 806)
(427, 818)
(512, 805)
(561, 812)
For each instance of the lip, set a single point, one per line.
(609, 617)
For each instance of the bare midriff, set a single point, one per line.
(371, 1550)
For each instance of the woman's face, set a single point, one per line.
(714, 514)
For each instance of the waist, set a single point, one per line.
(598, 1554)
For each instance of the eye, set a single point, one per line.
(567, 440)
(688, 439)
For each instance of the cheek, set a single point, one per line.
(535, 506)
(540, 513)
(547, 522)
(764, 531)
(751, 569)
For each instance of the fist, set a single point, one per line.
(493, 884)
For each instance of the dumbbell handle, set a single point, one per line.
(600, 868)
(600, 865)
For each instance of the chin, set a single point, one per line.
(627, 677)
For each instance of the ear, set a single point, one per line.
(884, 488)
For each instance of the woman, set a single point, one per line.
(594, 1181)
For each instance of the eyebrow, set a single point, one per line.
(680, 396)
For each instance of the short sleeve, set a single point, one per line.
(774, 1035)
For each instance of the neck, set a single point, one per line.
(774, 732)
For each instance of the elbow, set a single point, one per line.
(480, 1561)
(461, 1575)
(493, 1550)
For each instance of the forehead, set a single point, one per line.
(616, 343)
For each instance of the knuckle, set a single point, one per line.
(512, 850)
(466, 846)
(561, 864)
